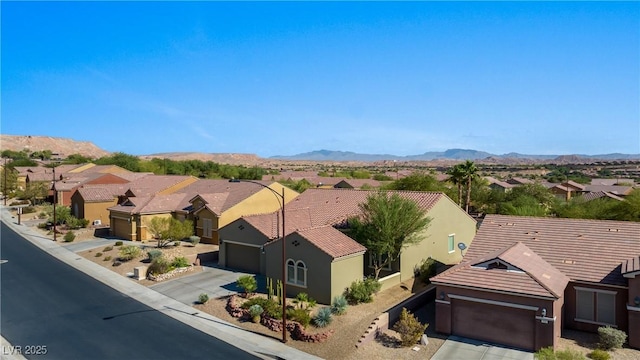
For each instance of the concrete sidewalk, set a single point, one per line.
(258, 345)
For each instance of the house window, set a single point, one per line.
(381, 259)
(451, 243)
(207, 227)
(296, 273)
(596, 306)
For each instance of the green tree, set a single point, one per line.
(629, 209)
(418, 181)
(9, 181)
(35, 192)
(456, 176)
(77, 159)
(470, 172)
(166, 229)
(388, 223)
(125, 161)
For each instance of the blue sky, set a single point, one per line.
(291, 77)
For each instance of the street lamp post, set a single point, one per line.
(280, 198)
(55, 199)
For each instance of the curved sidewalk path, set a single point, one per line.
(256, 344)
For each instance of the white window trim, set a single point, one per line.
(453, 248)
(295, 282)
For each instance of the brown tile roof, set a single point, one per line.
(600, 194)
(613, 189)
(153, 184)
(271, 224)
(631, 265)
(359, 183)
(332, 206)
(527, 274)
(519, 181)
(332, 241)
(98, 193)
(152, 204)
(584, 250)
(40, 176)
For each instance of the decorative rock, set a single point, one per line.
(424, 340)
(169, 274)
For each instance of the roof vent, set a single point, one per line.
(614, 230)
(570, 262)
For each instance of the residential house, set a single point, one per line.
(524, 278)
(316, 244)
(590, 196)
(500, 185)
(617, 190)
(211, 204)
(519, 181)
(567, 189)
(365, 184)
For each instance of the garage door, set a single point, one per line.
(493, 323)
(121, 228)
(242, 257)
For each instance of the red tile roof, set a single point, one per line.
(527, 274)
(584, 250)
(332, 241)
(631, 265)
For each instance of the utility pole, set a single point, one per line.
(4, 191)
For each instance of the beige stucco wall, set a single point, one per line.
(206, 214)
(446, 218)
(97, 211)
(344, 271)
(142, 222)
(247, 235)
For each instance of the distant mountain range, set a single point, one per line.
(451, 154)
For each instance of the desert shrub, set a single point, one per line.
(73, 222)
(69, 236)
(98, 254)
(255, 310)
(180, 262)
(549, 354)
(154, 254)
(304, 301)
(194, 240)
(248, 284)
(270, 306)
(43, 225)
(129, 252)
(300, 315)
(426, 270)
(107, 258)
(409, 328)
(569, 355)
(598, 354)
(28, 210)
(339, 305)
(119, 243)
(203, 298)
(108, 248)
(362, 291)
(611, 338)
(159, 266)
(323, 317)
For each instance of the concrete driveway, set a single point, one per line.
(455, 348)
(214, 281)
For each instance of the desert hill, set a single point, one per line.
(62, 146)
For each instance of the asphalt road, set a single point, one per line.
(49, 306)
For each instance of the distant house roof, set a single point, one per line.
(152, 204)
(613, 189)
(100, 193)
(493, 182)
(515, 269)
(583, 250)
(519, 181)
(612, 181)
(599, 195)
(357, 183)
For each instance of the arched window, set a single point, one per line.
(296, 273)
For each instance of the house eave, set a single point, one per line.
(467, 287)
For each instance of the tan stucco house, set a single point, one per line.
(315, 222)
(524, 279)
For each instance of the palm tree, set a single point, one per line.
(470, 172)
(456, 175)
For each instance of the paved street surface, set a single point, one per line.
(456, 348)
(47, 303)
(50, 296)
